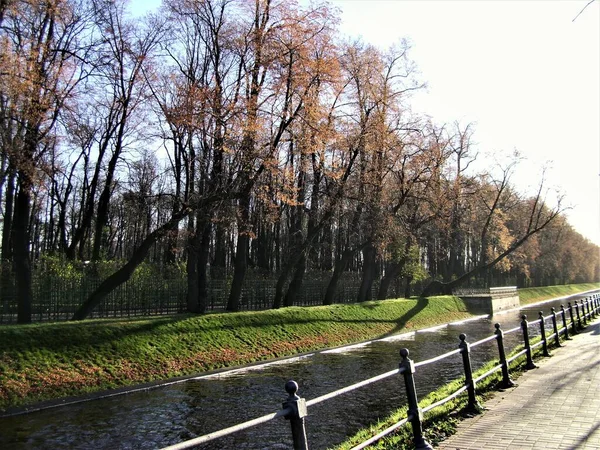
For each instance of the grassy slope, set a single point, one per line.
(49, 361)
(45, 361)
(532, 295)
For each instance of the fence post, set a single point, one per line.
(465, 351)
(564, 321)
(543, 333)
(414, 411)
(573, 325)
(525, 327)
(296, 416)
(589, 310)
(506, 381)
(579, 325)
(555, 328)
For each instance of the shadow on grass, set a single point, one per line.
(99, 333)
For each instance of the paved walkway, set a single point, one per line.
(556, 406)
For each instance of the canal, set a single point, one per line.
(169, 414)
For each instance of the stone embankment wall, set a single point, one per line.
(490, 301)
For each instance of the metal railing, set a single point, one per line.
(502, 291)
(295, 408)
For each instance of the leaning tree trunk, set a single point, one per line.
(125, 272)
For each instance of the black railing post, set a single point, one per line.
(525, 327)
(573, 325)
(579, 325)
(465, 351)
(298, 409)
(564, 320)
(555, 328)
(414, 412)
(506, 381)
(589, 310)
(543, 333)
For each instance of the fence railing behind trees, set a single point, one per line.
(295, 408)
(57, 298)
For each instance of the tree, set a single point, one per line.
(42, 44)
(497, 238)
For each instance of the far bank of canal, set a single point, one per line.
(166, 415)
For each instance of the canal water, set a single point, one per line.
(166, 415)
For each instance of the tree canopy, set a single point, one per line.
(231, 137)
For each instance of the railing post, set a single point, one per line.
(543, 333)
(465, 351)
(564, 320)
(525, 327)
(555, 328)
(506, 381)
(573, 325)
(589, 310)
(296, 416)
(414, 411)
(579, 325)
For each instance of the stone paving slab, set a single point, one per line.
(556, 406)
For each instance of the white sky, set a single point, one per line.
(522, 71)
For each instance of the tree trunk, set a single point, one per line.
(407, 289)
(241, 255)
(393, 272)
(21, 257)
(364, 292)
(125, 272)
(338, 270)
(8, 217)
(296, 283)
(202, 267)
(192, 273)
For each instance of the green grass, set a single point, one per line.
(53, 360)
(48, 361)
(538, 294)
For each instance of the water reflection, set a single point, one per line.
(171, 414)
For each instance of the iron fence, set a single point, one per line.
(57, 299)
(295, 408)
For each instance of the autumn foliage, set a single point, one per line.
(244, 138)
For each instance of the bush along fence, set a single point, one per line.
(565, 322)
